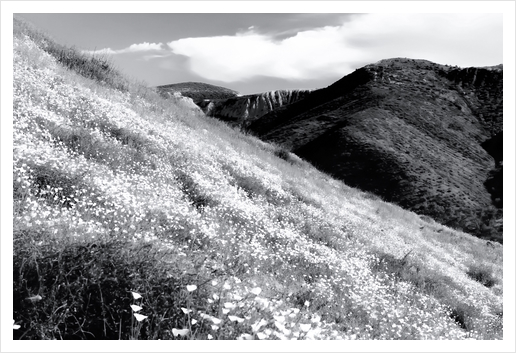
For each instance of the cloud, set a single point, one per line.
(133, 48)
(456, 39)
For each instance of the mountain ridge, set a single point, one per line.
(408, 130)
(243, 110)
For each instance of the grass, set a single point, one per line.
(138, 218)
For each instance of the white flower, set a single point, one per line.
(140, 317)
(214, 327)
(305, 327)
(235, 318)
(237, 297)
(225, 311)
(35, 298)
(256, 290)
(194, 321)
(15, 327)
(186, 311)
(215, 296)
(191, 287)
(256, 326)
(246, 336)
(181, 333)
(215, 320)
(214, 283)
(307, 303)
(279, 318)
(210, 337)
(261, 335)
(136, 295)
(226, 286)
(136, 308)
(229, 305)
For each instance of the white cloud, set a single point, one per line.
(456, 39)
(133, 48)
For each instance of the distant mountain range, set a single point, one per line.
(197, 91)
(425, 136)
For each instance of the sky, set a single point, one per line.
(254, 52)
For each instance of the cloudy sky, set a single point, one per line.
(256, 52)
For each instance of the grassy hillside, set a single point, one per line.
(138, 218)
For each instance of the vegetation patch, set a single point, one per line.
(84, 291)
(482, 274)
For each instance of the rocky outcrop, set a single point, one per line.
(180, 100)
(242, 111)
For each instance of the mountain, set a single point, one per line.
(410, 131)
(242, 111)
(197, 91)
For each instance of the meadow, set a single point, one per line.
(137, 217)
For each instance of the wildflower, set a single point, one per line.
(140, 317)
(181, 333)
(210, 337)
(136, 295)
(186, 311)
(215, 320)
(35, 298)
(229, 305)
(226, 286)
(316, 319)
(191, 287)
(256, 326)
(256, 290)
(215, 296)
(194, 321)
(214, 327)
(246, 336)
(15, 327)
(235, 318)
(279, 318)
(307, 303)
(261, 335)
(225, 311)
(136, 308)
(305, 327)
(214, 283)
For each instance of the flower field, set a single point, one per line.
(137, 217)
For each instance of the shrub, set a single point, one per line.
(482, 274)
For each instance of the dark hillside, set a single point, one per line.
(410, 131)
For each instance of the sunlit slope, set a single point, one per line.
(118, 191)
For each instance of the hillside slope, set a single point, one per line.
(410, 131)
(136, 217)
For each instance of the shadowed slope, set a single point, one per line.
(407, 130)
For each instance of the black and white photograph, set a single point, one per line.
(329, 172)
